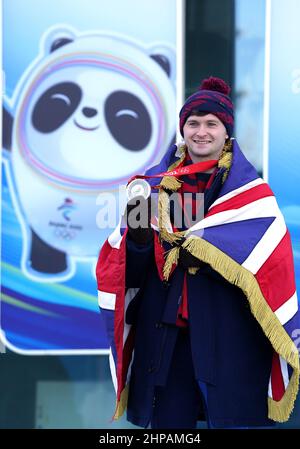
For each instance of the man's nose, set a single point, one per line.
(201, 130)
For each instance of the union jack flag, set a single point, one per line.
(243, 236)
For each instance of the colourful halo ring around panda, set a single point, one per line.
(127, 69)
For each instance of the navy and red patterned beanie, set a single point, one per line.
(212, 97)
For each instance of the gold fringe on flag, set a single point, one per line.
(225, 159)
(172, 258)
(170, 183)
(173, 238)
(163, 209)
(121, 404)
(281, 410)
(271, 326)
(164, 218)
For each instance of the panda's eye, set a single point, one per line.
(127, 112)
(128, 120)
(55, 106)
(61, 97)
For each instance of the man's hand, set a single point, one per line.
(138, 217)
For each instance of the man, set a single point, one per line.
(200, 311)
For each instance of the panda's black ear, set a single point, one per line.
(163, 61)
(59, 43)
(7, 124)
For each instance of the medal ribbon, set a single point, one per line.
(180, 170)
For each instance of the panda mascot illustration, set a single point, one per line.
(91, 111)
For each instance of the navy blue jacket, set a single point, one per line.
(230, 352)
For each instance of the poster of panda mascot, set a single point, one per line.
(92, 110)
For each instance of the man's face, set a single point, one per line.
(204, 136)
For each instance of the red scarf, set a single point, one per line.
(193, 183)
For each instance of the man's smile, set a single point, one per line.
(201, 141)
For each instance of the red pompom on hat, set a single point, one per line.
(211, 97)
(217, 84)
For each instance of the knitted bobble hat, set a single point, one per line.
(212, 97)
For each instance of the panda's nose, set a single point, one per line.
(89, 112)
